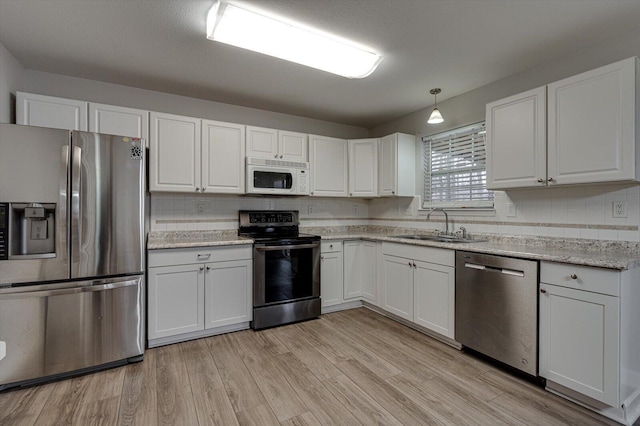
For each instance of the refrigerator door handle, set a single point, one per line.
(62, 248)
(72, 290)
(76, 214)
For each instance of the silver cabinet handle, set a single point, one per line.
(410, 264)
(202, 268)
(197, 189)
(543, 291)
(204, 189)
(393, 192)
(275, 156)
(414, 265)
(550, 179)
(208, 268)
(322, 257)
(540, 180)
(281, 156)
(574, 277)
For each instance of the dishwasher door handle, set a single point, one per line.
(505, 271)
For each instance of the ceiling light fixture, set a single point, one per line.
(239, 27)
(435, 117)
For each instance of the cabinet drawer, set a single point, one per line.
(440, 256)
(199, 255)
(597, 280)
(334, 246)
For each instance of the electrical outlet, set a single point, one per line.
(356, 209)
(619, 209)
(200, 209)
(310, 209)
(511, 210)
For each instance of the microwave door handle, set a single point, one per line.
(261, 247)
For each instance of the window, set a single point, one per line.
(454, 165)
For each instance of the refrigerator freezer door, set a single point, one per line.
(34, 173)
(48, 331)
(107, 191)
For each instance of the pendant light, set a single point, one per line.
(435, 117)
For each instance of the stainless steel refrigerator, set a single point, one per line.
(71, 252)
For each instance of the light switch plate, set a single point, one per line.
(511, 210)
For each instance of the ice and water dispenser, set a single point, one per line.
(27, 230)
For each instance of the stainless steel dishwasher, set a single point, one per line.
(497, 308)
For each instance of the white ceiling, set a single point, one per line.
(160, 45)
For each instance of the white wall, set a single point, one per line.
(11, 80)
(576, 212)
(114, 94)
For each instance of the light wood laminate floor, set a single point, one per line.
(347, 368)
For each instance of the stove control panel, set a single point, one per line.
(269, 218)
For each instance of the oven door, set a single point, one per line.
(285, 273)
(265, 180)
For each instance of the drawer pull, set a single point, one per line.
(574, 277)
(204, 256)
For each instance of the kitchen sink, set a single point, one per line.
(440, 238)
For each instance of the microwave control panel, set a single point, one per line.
(4, 231)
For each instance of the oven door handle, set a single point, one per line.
(266, 247)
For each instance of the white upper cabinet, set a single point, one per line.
(329, 165)
(117, 120)
(363, 167)
(49, 111)
(592, 125)
(174, 153)
(396, 168)
(277, 144)
(516, 141)
(223, 164)
(193, 155)
(589, 124)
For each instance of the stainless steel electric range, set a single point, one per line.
(286, 268)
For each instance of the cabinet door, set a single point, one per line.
(328, 158)
(434, 298)
(49, 111)
(117, 120)
(293, 146)
(262, 142)
(228, 293)
(223, 159)
(175, 300)
(397, 286)
(387, 168)
(592, 133)
(574, 323)
(368, 271)
(516, 141)
(363, 168)
(331, 278)
(174, 153)
(352, 270)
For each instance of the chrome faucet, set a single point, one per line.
(446, 218)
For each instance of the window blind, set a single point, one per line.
(454, 165)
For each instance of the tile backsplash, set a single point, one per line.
(571, 212)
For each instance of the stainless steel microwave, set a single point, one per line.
(277, 177)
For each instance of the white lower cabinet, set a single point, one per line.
(194, 292)
(418, 284)
(397, 290)
(331, 273)
(589, 337)
(360, 272)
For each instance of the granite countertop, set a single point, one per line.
(618, 255)
(186, 239)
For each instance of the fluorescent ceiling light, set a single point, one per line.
(230, 24)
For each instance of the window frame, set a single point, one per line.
(441, 137)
